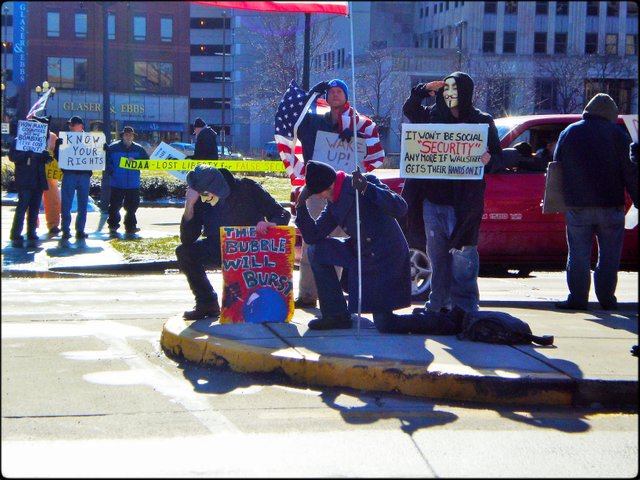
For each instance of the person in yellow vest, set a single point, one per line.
(51, 197)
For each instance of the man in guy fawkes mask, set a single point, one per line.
(449, 211)
(216, 198)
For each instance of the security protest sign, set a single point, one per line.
(338, 153)
(167, 152)
(257, 274)
(32, 136)
(434, 150)
(82, 151)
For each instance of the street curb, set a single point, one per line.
(179, 341)
(158, 266)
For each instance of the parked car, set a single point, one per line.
(186, 148)
(514, 234)
(228, 154)
(271, 150)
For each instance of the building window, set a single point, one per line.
(210, 77)
(209, 50)
(488, 42)
(7, 47)
(613, 8)
(209, 103)
(562, 8)
(152, 76)
(210, 23)
(632, 9)
(509, 42)
(540, 42)
(560, 44)
(111, 26)
(139, 27)
(53, 24)
(591, 43)
(67, 72)
(611, 43)
(631, 45)
(511, 8)
(81, 25)
(620, 90)
(7, 21)
(542, 8)
(426, 11)
(546, 95)
(166, 29)
(490, 7)
(593, 9)
(499, 96)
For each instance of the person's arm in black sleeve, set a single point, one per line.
(271, 210)
(413, 108)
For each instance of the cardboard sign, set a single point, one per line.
(257, 274)
(631, 121)
(82, 151)
(434, 150)
(53, 170)
(338, 153)
(32, 136)
(167, 152)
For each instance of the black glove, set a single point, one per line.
(46, 156)
(302, 196)
(105, 147)
(320, 88)
(58, 142)
(420, 91)
(346, 134)
(358, 181)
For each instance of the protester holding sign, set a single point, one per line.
(125, 183)
(385, 276)
(31, 182)
(596, 170)
(450, 211)
(74, 182)
(215, 198)
(338, 118)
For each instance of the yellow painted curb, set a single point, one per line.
(181, 341)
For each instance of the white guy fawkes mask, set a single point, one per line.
(450, 93)
(209, 198)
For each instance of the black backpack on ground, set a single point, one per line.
(499, 327)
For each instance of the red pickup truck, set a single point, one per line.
(514, 234)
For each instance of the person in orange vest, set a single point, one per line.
(51, 197)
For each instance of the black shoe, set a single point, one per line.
(66, 235)
(81, 235)
(202, 311)
(332, 322)
(113, 234)
(54, 232)
(33, 237)
(17, 243)
(304, 303)
(567, 305)
(131, 236)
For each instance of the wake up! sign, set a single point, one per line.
(257, 274)
(434, 150)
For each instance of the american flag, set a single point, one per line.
(294, 102)
(40, 104)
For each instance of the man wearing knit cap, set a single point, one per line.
(386, 283)
(596, 170)
(216, 198)
(206, 141)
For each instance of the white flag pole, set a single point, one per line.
(355, 151)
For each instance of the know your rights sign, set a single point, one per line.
(434, 150)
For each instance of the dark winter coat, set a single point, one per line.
(30, 173)
(124, 177)
(206, 145)
(594, 154)
(309, 127)
(386, 271)
(247, 204)
(466, 196)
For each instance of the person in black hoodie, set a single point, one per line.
(449, 211)
(206, 141)
(596, 170)
(216, 198)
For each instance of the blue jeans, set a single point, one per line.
(73, 182)
(27, 200)
(454, 276)
(607, 224)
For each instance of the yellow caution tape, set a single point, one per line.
(232, 165)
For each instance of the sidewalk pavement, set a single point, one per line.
(588, 365)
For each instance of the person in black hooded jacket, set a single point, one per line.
(449, 212)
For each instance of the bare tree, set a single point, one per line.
(496, 83)
(567, 74)
(278, 57)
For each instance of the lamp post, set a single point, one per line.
(224, 80)
(41, 90)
